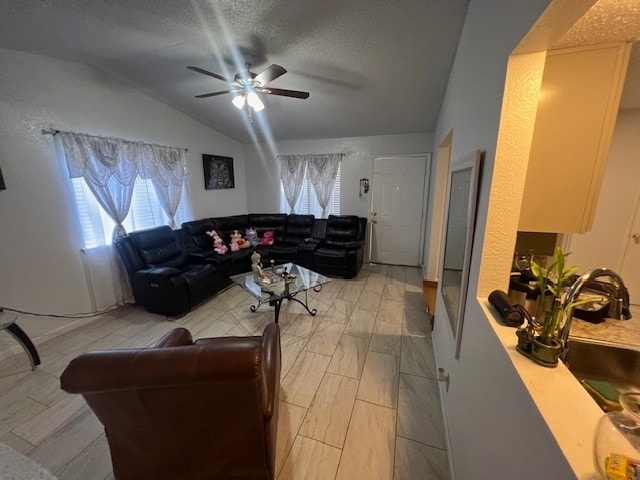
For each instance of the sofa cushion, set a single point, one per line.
(283, 252)
(198, 230)
(262, 222)
(200, 276)
(331, 256)
(341, 230)
(343, 227)
(226, 225)
(319, 228)
(241, 260)
(158, 247)
(298, 228)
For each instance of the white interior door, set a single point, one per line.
(396, 210)
(631, 264)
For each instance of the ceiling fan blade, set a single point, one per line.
(286, 93)
(214, 94)
(270, 74)
(211, 74)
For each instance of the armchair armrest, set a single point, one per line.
(143, 368)
(271, 361)
(178, 337)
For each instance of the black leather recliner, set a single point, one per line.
(341, 251)
(164, 277)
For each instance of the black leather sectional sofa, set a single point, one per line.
(173, 270)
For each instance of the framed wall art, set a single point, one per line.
(218, 172)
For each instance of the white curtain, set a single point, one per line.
(105, 276)
(110, 167)
(323, 170)
(292, 168)
(166, 169)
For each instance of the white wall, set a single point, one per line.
(494, 428)
(263, 187)
(40, 266)
(605, 244)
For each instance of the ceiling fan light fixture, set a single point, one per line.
(254, 101)
(238, 101)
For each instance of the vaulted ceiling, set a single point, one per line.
(371, 66)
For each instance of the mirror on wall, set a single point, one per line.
(462, 192)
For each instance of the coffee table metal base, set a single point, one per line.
(23, 339)
(291, 297)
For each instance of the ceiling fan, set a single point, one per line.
(246, 85)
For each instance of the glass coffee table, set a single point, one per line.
(275, 294)
(8, 323)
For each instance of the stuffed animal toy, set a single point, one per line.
(267, 238)
(237, 242)
(218, 244)
(252, 236)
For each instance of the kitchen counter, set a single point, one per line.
(569, 412)
(624, 332)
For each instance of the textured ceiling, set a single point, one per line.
(371, 66)
(611, 21)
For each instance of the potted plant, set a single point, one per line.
(539, 340)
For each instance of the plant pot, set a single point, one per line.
(524, 340)
(545, 354)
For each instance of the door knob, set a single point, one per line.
(374, 221)
(636, 237)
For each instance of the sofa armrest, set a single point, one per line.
(201, 258)
(164, 272)
(178, 337)
(348, 245)
(271, 361)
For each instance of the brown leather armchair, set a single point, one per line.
(186, 410)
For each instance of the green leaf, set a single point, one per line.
(536, 270)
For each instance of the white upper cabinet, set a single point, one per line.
(580, 93)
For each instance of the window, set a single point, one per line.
(145, 212)
(308, 201)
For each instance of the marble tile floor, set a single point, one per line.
(358, 396)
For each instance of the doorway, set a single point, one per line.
(396, 209)
(431, 262)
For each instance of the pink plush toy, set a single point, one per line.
(218, 245)
(267, 238)
(237, 242)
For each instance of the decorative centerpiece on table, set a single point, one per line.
(273, 279)
(539, 338)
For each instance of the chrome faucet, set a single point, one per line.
(619, 305)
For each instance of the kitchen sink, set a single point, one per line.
(593, 360)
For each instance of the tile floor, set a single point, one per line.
(359, 397)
